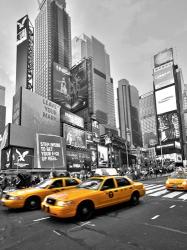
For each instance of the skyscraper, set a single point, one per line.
(52, 44)
(128, 108)
(103, 93)
(148, 120)
(2, 112)
(2, 95)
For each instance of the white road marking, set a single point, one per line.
(83, 224)
(156, 186)
(167, 228)
(159, 193)
(155, 217)
(56, 232)
(172, 206)
(45, 218)
(183, 197)
(154, 190)
(172, 194)
(149, 185)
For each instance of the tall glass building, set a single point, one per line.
(52, 44)
(103, 92)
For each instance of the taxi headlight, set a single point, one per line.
(184, 182)
(13, 198)
(167, 182)
(64, 203)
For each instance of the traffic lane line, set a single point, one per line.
(172, 206)
(40, 219)
(155, 217)
(166, 228)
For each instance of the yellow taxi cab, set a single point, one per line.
(92, 194)
(31, 198)
(177, 180)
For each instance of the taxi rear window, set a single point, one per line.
(121, 182)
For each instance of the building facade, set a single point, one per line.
(2, 112)
(148, 120)
(52, 44)
(102, 89)
(128, 108)
(2, 95)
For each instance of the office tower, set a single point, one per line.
(103, 93)
(25, 54)
(52, 44)
(148, 120)
(128, 108)
(2, 112)
(168, 88)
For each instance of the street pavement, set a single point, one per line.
(158, 222)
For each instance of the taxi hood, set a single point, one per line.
(24, 191)
(72, 194)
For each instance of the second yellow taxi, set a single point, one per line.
(91, 194)
(31, 198)
(177, 180)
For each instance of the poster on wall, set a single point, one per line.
(166, 100)
(168, 127)
(73, 136)
(102, 156)
(50, 152)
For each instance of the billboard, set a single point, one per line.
(50, 152)
(22, 158)
(22, 26)
(6, 159)
(61, 86)
(78, 160)
(163, 75)
(73, 136)
(39, 113)
(79, 87)
(69, 117)
(163, 57)
(102, 156)
(166, 100)
(168, 127)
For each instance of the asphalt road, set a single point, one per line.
(158, 222)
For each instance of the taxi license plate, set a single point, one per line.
(46, 209)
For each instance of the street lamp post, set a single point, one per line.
(161, 148)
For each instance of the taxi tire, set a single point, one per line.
(134, 199)
(33, 203)
(85, 210)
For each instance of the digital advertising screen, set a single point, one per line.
(102, 156)
(166, 100)
(168, 127)
(73, 136)
(39, 113)
(6, 155)
(79, 86)
(61, 86)
(77, 161)
(69, 117)
(163, 75)
(22, 26)
(22, 158)
(51, 152)
(163, 57)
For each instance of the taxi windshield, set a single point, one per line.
(90, 184)
(43, 184)
(179, 175)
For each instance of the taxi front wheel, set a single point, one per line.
(134, 199)
(32, 203)
(85, 210)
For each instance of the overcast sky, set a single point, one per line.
(131, 30)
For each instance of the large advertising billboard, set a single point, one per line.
(74, 137)
(168, 127)
(77, 161)
(163, 75)
(79, 87)
(163, 57)
(69, 117)
(61, 86)
(22, 158)
(22, 26)
(166, 100)
(39, 113)
(102, 156)
(50, 151)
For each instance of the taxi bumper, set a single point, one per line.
(57, 211)
(12, 203)
(176, 187)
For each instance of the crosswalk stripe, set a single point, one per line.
(155, 190)
(159, 193)
(150, 185)
(172, 194)
(156, 186)
(183, 197)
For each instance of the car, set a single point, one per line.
(93, 193)
(177, 180)
(31, 198)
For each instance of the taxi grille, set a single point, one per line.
(50, 201)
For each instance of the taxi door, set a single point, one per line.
(108, 194)
(125, 188)
(56, 186)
